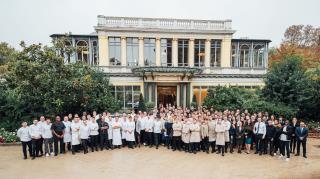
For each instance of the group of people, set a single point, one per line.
(179, 129)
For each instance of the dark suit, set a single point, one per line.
(294, 138)
(285, 144)
(301, 133)
(271, 130)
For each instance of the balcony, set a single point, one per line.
(163, 23)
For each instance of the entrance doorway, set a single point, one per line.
(167, 95)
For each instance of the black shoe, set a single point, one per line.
(33, 158)
(305, 156)
(73, 153)
(25, 157)
(256, 153)
(260, 153)
(297, 155)
(222, 154)
(55, 154)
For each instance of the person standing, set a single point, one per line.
(110, 130)
(57, 129)
(239, 136)
(168, 131)
(205, 136)
(149, 130)
(25, 138)
(130, 129)
(293, 142)
(75, 136)
(260, 133)
(285, 138)
(232, 134)
(35, 133)
(157, 127)
(84, 133)
(67, 132)
(137, 132)
(41, 124)
(185, 135)
(227, 124)
(94, 134)
(220, 131)
(212, 134)
(47, 137)
(116, 132)
(123, 121)
(276, 138)
(195, 136)
(270, 133)
(302, 134)
(103, 132)
(176, 136)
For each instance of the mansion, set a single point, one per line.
(169, 60)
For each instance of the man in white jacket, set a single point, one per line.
(35, 133)
(25, 138)
(47, 137)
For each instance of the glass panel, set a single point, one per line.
(136, 88)
(82, 51)
(165, 56)
(244, 55)
(132, 51)
(234, 61)
(183, 46)
(199, 52)
(149, 52)
(128, 97)
(258, 56)
(114, 51)
(215, 53)
(120, 95)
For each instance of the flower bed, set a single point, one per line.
(8, 137)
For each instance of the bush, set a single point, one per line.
(8, 137)
(150, 106)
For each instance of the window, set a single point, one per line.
(244, 55)
(215, 53)
(234, 56)
(166, 49)
(183, 46)
(127, 96)
(258, 56)
(149, 52)
(66, 53)
(114, 51)
(95, 52)
(199, 53)
(132, 51)
(82, 51)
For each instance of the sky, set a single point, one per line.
(33, 21)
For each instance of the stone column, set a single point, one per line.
(191, 53)
(174, 52)
(207, 53)
(188, 94)
(158, 52)
(141, 56)
(226, 52)
(103, 50)
(146, 91)
(182, 96)
(123, 51)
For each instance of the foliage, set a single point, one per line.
(7, 137)
(150, 105)
(142, 106)
(39, 82)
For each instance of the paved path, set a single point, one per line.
(162, 163)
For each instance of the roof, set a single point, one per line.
(251, 40)
(74, 35)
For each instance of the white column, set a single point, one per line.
(123, 51)
(103, 50)
(158, 52)
(226, 51)
(191, 53)
(207, 53)
(174, 54)
(141, 56)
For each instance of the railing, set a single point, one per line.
(163, 23)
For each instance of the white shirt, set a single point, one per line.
(23, 134)
(157, 126)
(46, 131)
(84, 131)
(94, 128)
(260, 128)
(143, 122)
(35, 131)
(149, 124)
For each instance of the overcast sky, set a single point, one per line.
(34, 20)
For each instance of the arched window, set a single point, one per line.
(82, 51)
(258, 56)
(95, 53)
(244, 55)
(234, 60)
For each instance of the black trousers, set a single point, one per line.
(104, 141)
(176, 142)
(205, 144)
(276, 145)
(56, 142)
(143, 137)
(285, 148)
(149, 136)
(195, 146)
(156, 139)
(168, 141)
(293, 144)
(233, 142)
(130, 144)
(213, 146)
(75, 148)
(94, 142)
(304, 146)
(24, 148)
(35, 147)
(221, 148)
(41, 146)
(137, 138)
(268, 143)
(259, 143)
(84, 143)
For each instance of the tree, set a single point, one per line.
(142, 106)
(39, 83)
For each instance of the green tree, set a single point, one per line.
(142, 106)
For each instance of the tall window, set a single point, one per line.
(234, 58)
(183, 46)
(66, 53)
(149, 52)
(132, 51)
(166, 49)
(244, 55)
(114, 51)
(199, 52)
(258, 56)
(215, 53)
(95, 52)
(82, 51)
(127, 96)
